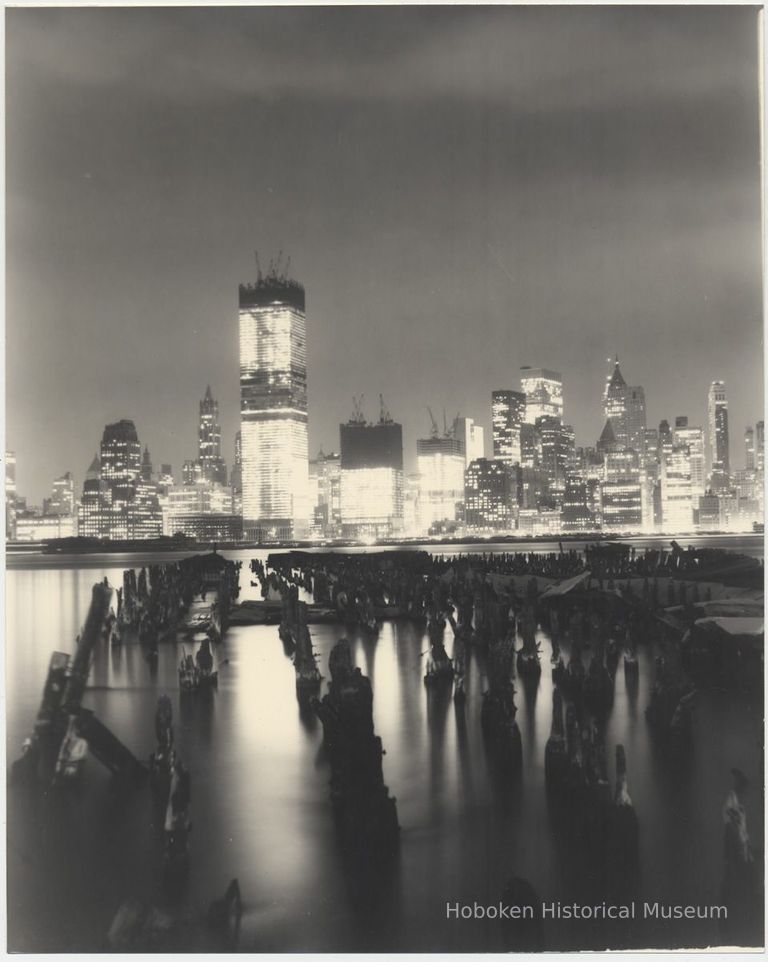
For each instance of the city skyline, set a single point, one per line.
(439, 268)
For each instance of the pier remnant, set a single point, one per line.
(366, 814)
(56, 748)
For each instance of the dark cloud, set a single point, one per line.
(463, 190)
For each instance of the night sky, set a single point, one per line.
(462, 191)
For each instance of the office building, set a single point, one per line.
(10, 495)
(471, 438)
(273, 408)
(507, 416)
(212, 466)
(693, 438)
(621, 494)
(120, 460)
(543, 392)
(441, 468)
(749, 448)
(556, 447)
(719, 458)
(371, 478)
(62, 500)
(118, 502)
(576, 514)
(489, 496)
(624, 407)
(325, 485)
(676, 490)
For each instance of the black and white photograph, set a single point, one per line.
(384, 478)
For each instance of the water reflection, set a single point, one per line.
(260, 794)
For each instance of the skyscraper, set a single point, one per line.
(720, 464)
(622, 498)
(693, 438)
(471, 437)
(273, 408)
(325, 473)
(146, 465)
(749, 448)
(371, 478)
(10, 494)
(676, 494)
(236, 475)
(508, 412)
(118, 501)
(489, 496)
(62, 500)
(120, 460)
(543, 391)
(556, 447)
(760, 447)
(575, 514)
(624, 407)
(441, 470)
(212, 466)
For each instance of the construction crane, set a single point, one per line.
(259, 276)
(384, 415)
(357, 409)
(434, 431)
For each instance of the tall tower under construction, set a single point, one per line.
(273, 407)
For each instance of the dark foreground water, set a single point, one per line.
(261, 809)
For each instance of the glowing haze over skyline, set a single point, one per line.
(462, 190)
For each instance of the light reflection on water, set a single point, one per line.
(260, 801)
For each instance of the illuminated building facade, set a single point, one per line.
(709, 513)
(273, 409)
(556, 446)
(717, 405)
(118, 503)
(412, 505)
(10, 494)
(624, 407)
(62, 500)
(693, 439)
(441, 468)
(507, 416)
(489, 496)
(576, 514)
(191, 472)
(749, 448)
(760, 447)
(212, 466)
(471, 437)
(45, 527)
(209, 528)
(236, 475)
(165, 479)
(543, 392)
(621, 493)
(120, 460)
(676, 491)
(371, 479)
(325, 483)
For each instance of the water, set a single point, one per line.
(260, 801)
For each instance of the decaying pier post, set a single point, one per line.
(308, 676)
(366, 815)
(63, 728)
(498, 713)
(556, 750)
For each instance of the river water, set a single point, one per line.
(260, 800)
